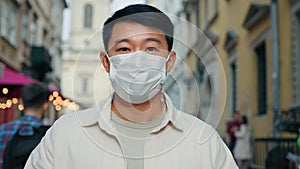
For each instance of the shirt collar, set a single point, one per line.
(30, 118)
(101, 114)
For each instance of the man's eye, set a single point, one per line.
(122, 49)
(151, 49)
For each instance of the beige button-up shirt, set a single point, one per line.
(88, 140)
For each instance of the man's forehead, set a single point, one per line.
(131, 29)
(127, 31)
(136, 36)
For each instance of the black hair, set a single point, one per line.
(236, 112)
(244, 120)
(142, 14)
(34, 95)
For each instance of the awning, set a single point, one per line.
(11, 77)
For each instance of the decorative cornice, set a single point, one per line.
(213, 37)
(231, 39)
(256, 13)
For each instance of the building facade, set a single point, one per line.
(83, 77)
(56, 47)
(181, 83)
(259, 84)
(27, 48)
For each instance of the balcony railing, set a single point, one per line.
(271, 153)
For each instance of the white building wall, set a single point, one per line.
(83, 77)
(56, 19)
(119, 4)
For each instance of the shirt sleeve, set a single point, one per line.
(42, 156)
(223, 158)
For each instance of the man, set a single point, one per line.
(35, 100)
(137, 127)
(233, 126)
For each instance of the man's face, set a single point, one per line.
(236, 117)
(128, 37)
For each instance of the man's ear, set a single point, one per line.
(171, 61)
(45, 106)
(104, 61)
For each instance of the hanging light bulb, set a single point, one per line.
(5, 90)
(15, 100)
(21, 107)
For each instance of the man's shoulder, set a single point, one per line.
(9, 125)
(198, 122)
(200, 128)
(76, 117)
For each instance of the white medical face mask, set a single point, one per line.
(137, 77)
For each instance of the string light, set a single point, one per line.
(58, 107)
(5, 90)
(57, 101)
(55, 94)
(3, 106)
(21, 107)
(15, 100)
(51, 98)
(8, 103)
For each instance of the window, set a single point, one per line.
(260, 51)
(25, 23)
(33, 28)
(84, 84)
(9, 20)
(232, 83)
(4, 17)
(45, 38)
(233, 86)
(88, 16)
(13, 24)
(210, 11)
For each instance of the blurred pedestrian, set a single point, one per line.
(232, 126)
(138, 126)
(35, 100)
(242, 149)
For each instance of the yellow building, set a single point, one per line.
(245, 46)
(262, 66)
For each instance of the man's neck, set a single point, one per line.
(143, 112)
(30, 112)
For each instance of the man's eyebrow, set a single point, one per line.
(153, 40)
(116, 42)
(120, 41)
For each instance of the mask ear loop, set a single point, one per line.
(107, 56)
(110, 66)
(169, 55)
